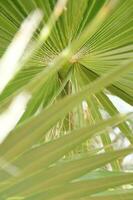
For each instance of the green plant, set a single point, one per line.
(80, 53)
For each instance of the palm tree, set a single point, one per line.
(66, 59)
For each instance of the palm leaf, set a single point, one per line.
(79, 54)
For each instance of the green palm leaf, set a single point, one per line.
(79, 54)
